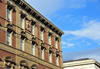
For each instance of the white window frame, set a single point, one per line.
(49, 39)
(8, 14)
(8, 38)
(22, 22)
(41, 34)
(22, 44)
(33, 49)
(42, 53)
(57, 60)
(32, 29)
(56, 44)
(50, 57)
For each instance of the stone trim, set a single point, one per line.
(26, 55)
(38, 16)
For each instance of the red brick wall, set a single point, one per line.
(2, 11)
(42, 66)
(5, 54)
(59, 62)
(2, 36)
(46, 56)
(53, 40)
(53, 59)
(1, 68)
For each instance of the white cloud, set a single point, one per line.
(90, 30)
(65, 44)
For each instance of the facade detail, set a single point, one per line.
(28, 40)
(85, 63)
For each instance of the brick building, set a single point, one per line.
(28, 40)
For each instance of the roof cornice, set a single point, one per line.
(28, 8)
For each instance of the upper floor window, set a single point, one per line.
(50, 57)
(33, 50)
(56, 44)
(49, 39)
(57, 60)
(7, 67)
(41, 34)
(42, 54)
(22, 22)
(8, 14)
(22, 44)
(32, 29)
(8, 38)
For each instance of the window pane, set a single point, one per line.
(49, 40)
(56, 44)
(32, 49)
(7, 67)
(32, 29)
(8, 14)
(21, 23)
(41, 35)
(22, 44)
(41, 53)
(8, 38)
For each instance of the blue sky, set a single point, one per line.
(80, 20)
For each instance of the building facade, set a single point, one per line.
(82, 64)
(28, 40)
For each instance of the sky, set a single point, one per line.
(80, 21)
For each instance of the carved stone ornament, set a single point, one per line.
(57, 53)
(28, 24)
(24, 65)
(43, 46)
(50, 49)
(23, 34)
(9, 61)
(34, 66)
(34, 40)
(9, 5)
(23, 15)
(10, 27)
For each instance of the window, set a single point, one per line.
(57, 61)
(49, 40)
(22, 22)
(7, 67)
(8, 38)
(8, 14)
(41, 34)
(50, 57)
(33, 50)
(22, 44)
(42, 55)
(32, 29)
(56, 44)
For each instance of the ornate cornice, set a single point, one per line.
(29, 9)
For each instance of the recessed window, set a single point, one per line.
(8, 38)
(56, 44)
(57, 61)
(22, 22)
(7, 67)
(33, 50)
(8, 14)
(50, 57)
(41, 34)
(49, 39)
(42, 54)
(32, 29)
(22, 44)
